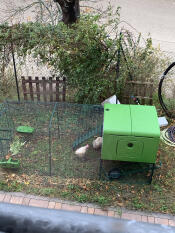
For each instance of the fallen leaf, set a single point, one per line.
(120, 204)
(27, 183)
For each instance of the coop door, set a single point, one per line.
(129, 150)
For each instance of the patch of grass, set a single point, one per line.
(157, 188)
(101, 200)
(13, 186)
(66, 194)
(3, 185)
(47, 191)
(137, 204)
(82, 198)
(163, 208)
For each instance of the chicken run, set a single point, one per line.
(58, 130)
(58, 139)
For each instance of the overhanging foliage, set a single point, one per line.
(84, 53)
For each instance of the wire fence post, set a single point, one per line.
(50, 139)
(15, 72)
(58, 127)
(50, 154)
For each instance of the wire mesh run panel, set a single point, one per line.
(57, 128)
(6, 130)
(131, 133)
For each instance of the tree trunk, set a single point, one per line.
(70, 10)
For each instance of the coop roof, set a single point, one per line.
(131, 120)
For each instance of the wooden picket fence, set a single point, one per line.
(138, 89)
(47, 90)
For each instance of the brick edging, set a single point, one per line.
(54, 203)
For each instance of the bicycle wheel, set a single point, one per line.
(166, 91)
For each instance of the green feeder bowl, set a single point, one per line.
(25, 129)
(9, 163)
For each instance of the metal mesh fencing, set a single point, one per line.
(78, 124)
(34, 155)
(58, 129)
(6, 131)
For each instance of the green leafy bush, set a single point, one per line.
(86, 54)
(16, 146)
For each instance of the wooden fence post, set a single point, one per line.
(64, 89)
(57, 89)
(24, 88)
(31, 88)
(50, 89)
(44, 88)
(37, 88)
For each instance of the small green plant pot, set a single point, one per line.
(9, 163)
(25, 129)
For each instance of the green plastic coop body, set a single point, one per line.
(130, 133)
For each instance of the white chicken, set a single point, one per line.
(80, 152)
(97, 143)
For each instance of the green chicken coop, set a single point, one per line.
(130, 133)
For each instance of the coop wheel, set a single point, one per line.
(114, 174)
